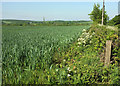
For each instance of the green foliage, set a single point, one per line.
(96, 15)
(53, 55)
(115, 21)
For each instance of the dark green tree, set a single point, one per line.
(96, 15)
(115, 20)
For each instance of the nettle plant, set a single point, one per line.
(85, 38)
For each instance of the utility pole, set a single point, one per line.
(119, 8)
(103, 12)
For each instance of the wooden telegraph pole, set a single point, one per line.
(103, 12)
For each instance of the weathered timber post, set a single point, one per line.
(108, 52)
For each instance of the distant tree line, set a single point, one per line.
(47, 23)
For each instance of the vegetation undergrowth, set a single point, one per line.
(83, 63)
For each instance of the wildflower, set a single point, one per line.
(93, 33)
(83, 30)
(68, 69)
(64, 60)
(79, 39)
(56, 69)
(79, 42)
(83, 41)
(87, 36)
(68, 75)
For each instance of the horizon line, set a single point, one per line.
(45, 20)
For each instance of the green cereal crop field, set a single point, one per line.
(25, 47)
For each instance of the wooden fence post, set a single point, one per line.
(108, 52)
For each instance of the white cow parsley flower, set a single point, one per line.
(68, 75)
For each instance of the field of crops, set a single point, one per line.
(25, 48)
(59, 55)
